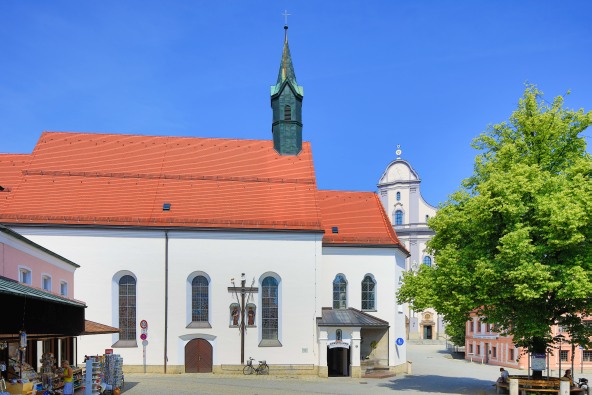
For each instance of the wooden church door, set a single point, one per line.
(198, 356)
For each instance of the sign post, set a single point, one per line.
(144, 337)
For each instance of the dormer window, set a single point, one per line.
(287, 113)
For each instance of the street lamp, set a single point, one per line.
(559, 338)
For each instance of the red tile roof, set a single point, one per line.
(124, 180)
(109, 179)
(11, 173)
(359, 217)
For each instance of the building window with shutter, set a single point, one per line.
(46, 282)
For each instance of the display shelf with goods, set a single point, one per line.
(21, 377)
(49, 377)
(113, 370)
(15, 367)
(78, 378)
(93, 376)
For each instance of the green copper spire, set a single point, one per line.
(286, 67)
(286, 72)
(286, 103)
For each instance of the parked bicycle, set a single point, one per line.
(263, 368)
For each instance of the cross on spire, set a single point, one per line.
(285, 14)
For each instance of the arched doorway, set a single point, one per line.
(338, 361)
(198, 356)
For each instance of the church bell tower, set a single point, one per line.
(286, 103)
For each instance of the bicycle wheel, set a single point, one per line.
(264, 369)
(248, 369)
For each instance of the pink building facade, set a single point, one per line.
(29, 263)
(484, 345)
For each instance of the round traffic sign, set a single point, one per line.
(400, 341)
(143, 324)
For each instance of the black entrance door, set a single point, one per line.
(338, 362)
(427, 332)
(198, 356)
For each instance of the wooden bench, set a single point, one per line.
(536, 386)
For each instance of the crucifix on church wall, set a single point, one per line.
(242, 314)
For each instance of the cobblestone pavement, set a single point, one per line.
(434, 372)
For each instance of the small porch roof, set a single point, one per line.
(349, 317)
(95, 328)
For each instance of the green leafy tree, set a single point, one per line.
(514, 243)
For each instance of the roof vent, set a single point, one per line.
(1, 188)
(166, 207)
(335, 229)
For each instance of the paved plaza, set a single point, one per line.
(434, 372)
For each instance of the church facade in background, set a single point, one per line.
(409, 213)
(207, 251)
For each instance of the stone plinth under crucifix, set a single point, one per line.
(244, 291)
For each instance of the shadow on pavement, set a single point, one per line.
(129, 385)
(453, 354)
(440, 385)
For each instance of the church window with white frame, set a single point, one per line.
(427, 260)
(368, 294)
(398, 196)
(199, 299)
(270, 308)
(127, 308)
(339, 292)
(399, 217)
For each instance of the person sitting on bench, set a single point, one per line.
(504, 376)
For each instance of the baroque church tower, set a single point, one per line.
(286, 103)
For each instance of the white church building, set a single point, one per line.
(207, 251)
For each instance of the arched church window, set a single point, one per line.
(427, 261)
(287, 113)
(269, 308)
(368, 294)
(398, 196)
(338, 335)
(199, 299)
(127, 308)
(398, 217)
(339, 292)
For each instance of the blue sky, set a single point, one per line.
(429, 75)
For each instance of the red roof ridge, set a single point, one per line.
(61, 173)
(49, 132)
(387, 223)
